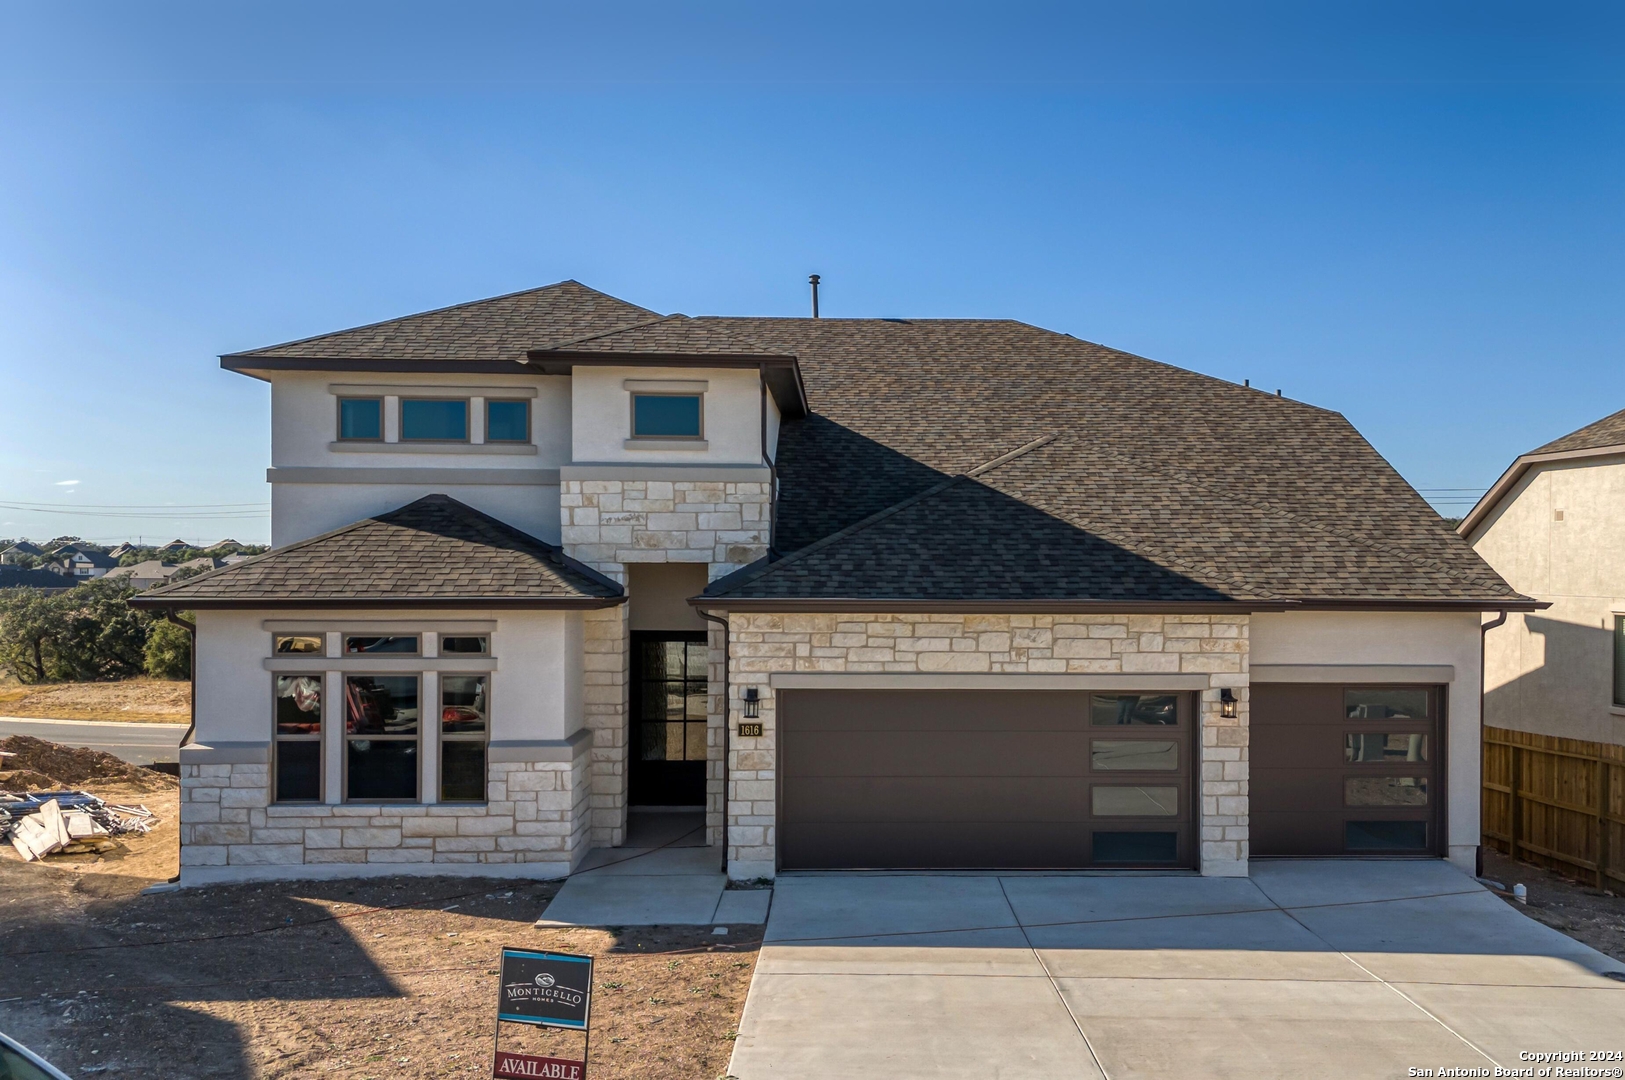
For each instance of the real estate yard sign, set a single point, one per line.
(548, 989)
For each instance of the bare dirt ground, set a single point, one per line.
(149, 701)
(1591, 915)
(385, 977)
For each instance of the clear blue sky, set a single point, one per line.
(1410, 213)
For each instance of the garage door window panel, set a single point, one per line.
(1133, 755)
(1388, 791)
(1386, 704)
(1135, 848)
(1384, 748)
(1125, 801)
(1375, 836)
(1131, 709)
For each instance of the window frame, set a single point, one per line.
(404, 400)
(1619, 661)
(338, 419)
(483, 738)
(319, 738)
(523, 402)
(346, 736)
(632, 422)
(318, 654)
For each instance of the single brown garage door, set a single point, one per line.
(1345, 770)
(984, 779)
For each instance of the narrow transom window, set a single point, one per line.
(666, 416)
(300, 645)
(361, 418)
(507, 421)
(434, 420)
(399, 644)
(465, 646)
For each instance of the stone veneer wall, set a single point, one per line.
(536, 813)
(609, 523)
(1214, 646)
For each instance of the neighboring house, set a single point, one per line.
(145, 575)
(1551, 526)
(122, 550)
(10, 555)
(175, 546)
(82, 563)
(12, 577)
(859, 592)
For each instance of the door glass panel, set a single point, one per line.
(1133, 754)
(674, 742)
(1385, 704)
(696, 701)
(1136, 847)
(1107, 709)
(1385, 791)
(1135, 801)
(695, 750)
(696, 654)
(653, 746)
(1385, 835)
(1358, 747)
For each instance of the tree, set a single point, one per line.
(169, 650)
(30, 620)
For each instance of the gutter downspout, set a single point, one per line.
(1483, 634)
(191, 657)
(772, 467)
(727, 727)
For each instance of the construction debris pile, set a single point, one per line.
(45, 823)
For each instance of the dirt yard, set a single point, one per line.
(147, 701)
(1587, 914)
(386, 977)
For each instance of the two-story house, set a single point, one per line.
(82, 563)
(849, 592)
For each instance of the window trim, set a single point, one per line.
(632, 420)
(508, 401)
(346, 736)
(1619, 661)
(320, 739)
(338, 419)
(468, 426)
(483, 738)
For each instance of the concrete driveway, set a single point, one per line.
(1307, 969)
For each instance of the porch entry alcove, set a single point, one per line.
(669, 689)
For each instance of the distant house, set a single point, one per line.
(122, 550)
(228, 542)
(13, 577)
(82, 563)
(1550, 527)
(10, 555)
(176, 545)
(144, 575)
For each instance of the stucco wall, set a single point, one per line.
(1551, 671)
(603, 415)
(1396, 640)
(1211, 648)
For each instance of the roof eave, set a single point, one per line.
(1103, 607)
(259, 367)
(1498, 491)
(567, 603)
(781, 372)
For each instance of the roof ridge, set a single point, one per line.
(267, 350)
(1271, 508)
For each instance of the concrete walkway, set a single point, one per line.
(673, 886)
(1307, 969)
(139, 744)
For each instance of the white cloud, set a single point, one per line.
(66, 483)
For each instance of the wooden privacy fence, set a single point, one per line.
(1558, 803)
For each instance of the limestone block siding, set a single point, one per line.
(1212, 646)
(536, 814)
(608, 523)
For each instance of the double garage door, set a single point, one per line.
(985, 779)
(1058, 779)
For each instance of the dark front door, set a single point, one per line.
(986, 779)
(668, 719)
(1345, 770)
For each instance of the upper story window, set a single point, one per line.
(434, 419)
(399, 644)
(667, 416)
(303, 644)
(361, 419)
(465, 646)
(507, 421)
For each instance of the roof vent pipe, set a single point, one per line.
(812, 279)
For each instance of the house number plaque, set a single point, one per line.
(749, 729)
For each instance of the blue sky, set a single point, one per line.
(1410, 213)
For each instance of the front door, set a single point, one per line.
(668, 719)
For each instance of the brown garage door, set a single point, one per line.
(984, 779)
(1345, 770)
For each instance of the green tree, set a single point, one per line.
(101, 636)
(30, 623)
(169, 650)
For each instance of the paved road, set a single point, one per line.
(1307, 969)
(139, 744)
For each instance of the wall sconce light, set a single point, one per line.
(1227, 704)
(753, 702)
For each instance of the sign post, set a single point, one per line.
(547, 989)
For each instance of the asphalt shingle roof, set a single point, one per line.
(1609, 431)
(501, 328)
(435, 551)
